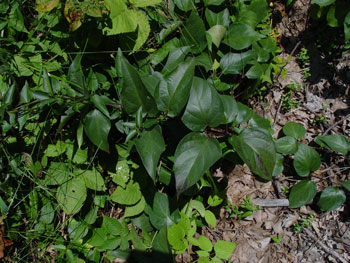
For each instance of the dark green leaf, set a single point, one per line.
(174, 89)
(302, 193)
(287, 145)
(204, 107)
(76, 75)
(331, 198)
(306, 160)
(213, 2)
(230, 108)
(346, 185)
(255, 71)
(97, 127)
(240, 36)
(193, 33)
(128, 196)
(133, 92)
(244, 114)
(100, 103)
(278, 165)
(185, 5)
(234, 63)
(176, 56)
(335, 142)
(294, 130)
(150, 146)
(215, 35)
(161, 214)
(221, 18)
(194, 155)
(256, 148)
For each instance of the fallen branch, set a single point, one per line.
(323, 246)
(271, 202)
(336, 123)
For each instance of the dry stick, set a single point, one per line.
(271, 202)
(324, 247)
(336, 123)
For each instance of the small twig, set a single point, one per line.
(277, 187)
(215, 235)
(271, 202)
(336, 123)
(323, 246)
(277, 113)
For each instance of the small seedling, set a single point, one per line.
(287, 102)
(243, 210)
(304, 222)
(276, 239)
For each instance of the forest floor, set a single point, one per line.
(315, 93)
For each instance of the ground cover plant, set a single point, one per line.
(114, 115)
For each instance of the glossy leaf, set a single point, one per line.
(240, 36)
(100, 103)
(230, 108)
(161, 214)
(150, 146)
(302, 193)
(294, 130)
(306, 160)
(185, 5)
(346, 185)
(336, 142)
(287, 145)
(193, 156)
(97, 127)
(174, 89)
(331, 198)
(133, 92)
(221, 18)
(278, 165)
(256, 148)
(215, 35)
(234, 63)
(76, 75)
(71, 195)
(176, 56)
(213, 2)
(204, 107)
(193, 33)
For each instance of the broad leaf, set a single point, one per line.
(97, 127)
(256, 148)
(161, 214)
(234, 63)
(100, 103)
(185, 5)
(144, 3)
(224, 249)
(135, 209)
(128, 196)
(302, 193)
(133, 92)
(193, 33)
(287, 145)
(71, 195)
(346, 185)
(93, 180)
(161, 247)
(331, 198)
(335, 142)
(221, 18)
(230, 108)
(294, 130)
(215, 35)
(174, 89)
(176, 56)
(240, 36)
(204, 107)
(46, 5)
(306, 160)
(150, 146)
(193, 156)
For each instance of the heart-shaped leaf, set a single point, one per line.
(256, 148)
(287, 145)
(306, 160)
(294, 130)
(193, 156)
(331, 198)
(302, 193)
(71, 195)
(97, 127)
(204, 107)
(234, 63)
(240, 36)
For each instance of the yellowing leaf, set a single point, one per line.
(73, 15)
(46, 5)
